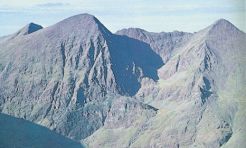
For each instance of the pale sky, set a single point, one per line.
(151, 15)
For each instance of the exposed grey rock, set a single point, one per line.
(163, 43)
(60, 76)
(124, 112)
(28, 29)
(82, 81)
(205, 73)
(125, 120)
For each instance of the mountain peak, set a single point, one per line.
(29, 28)
(81, 17)
(80, 20)
(132, 31)
(222, 25)
(81, 24)
(222, 22)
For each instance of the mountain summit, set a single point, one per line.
(223, 23)
(82, 25)
(28, 29)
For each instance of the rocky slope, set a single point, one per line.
(164, 43)
(199, 95)
(60, 76)
(113, 90)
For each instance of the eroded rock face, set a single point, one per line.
(125, 120)
(124, 112)
(82, 81)
(193, 109)
(199, 74)
(59, 76)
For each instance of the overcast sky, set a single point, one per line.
(151, 15)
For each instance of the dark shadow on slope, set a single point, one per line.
(15, 132)
(226, 138)
(205, 90)
(129, 56)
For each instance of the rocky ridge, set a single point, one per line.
(130, 89)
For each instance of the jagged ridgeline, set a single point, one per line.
(129, 89)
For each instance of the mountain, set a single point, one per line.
(60, 76)
(130, 89)
(28, 29)
(15, 132)
(163, 43)
(200, 92)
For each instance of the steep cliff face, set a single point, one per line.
(60, 75)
